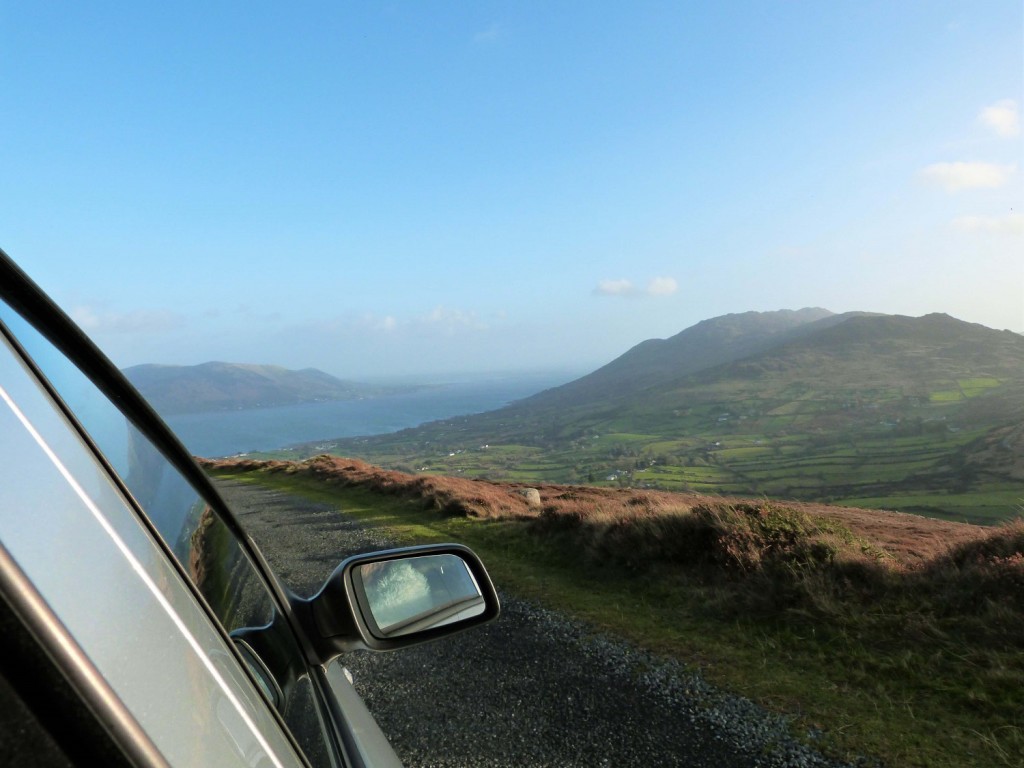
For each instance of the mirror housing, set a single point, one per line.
(395, 598)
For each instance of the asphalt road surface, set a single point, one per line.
(532, 689)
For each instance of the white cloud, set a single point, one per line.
(489, 35)
(93, 320)
(961, 175)
(1010, 224)
(662, 286)
(86, 317)
(658, 286)
(1002, 118)
(450, 320)
(439, 321)
(615, 288)
(366, 322)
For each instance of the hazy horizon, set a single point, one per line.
(561, 374)
(564, 372)
(408, 191)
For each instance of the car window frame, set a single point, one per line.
(26, 299)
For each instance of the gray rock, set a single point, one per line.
(532, 496)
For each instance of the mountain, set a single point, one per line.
(921, 414)
(769, 355)
(229, 386)
(705, 345)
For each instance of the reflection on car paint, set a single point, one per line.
(195, 534)
(67, 526)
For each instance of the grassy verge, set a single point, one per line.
(918, 669)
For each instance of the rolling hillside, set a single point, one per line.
(921, 414)
(217, 386)
(654, 362)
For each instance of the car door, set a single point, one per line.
(132, 551)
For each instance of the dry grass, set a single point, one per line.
(449, 495)
(850, 615)
(902, 538)
(778, 556)
(791, 557)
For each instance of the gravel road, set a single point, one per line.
(532, 689)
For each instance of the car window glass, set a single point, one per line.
(72, 533)
(198, 537)
(203, 544)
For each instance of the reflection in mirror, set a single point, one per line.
(415, 593)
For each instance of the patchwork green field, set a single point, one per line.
(919, 414)
(929, 475)
(912, 457)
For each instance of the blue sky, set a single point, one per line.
(431, 188)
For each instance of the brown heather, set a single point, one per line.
(792, 554)
(900, 635)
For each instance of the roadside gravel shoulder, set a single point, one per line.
(534, 688)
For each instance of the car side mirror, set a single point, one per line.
(397, 598)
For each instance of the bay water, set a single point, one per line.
(228, 433)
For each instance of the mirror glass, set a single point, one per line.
(416, 593)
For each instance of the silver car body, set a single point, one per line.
(142, 613)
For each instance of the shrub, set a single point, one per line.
(765, 557)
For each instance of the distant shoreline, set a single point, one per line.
(229, 432)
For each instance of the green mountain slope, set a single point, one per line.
(709, 343)
(228, 386)
(921, 414)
